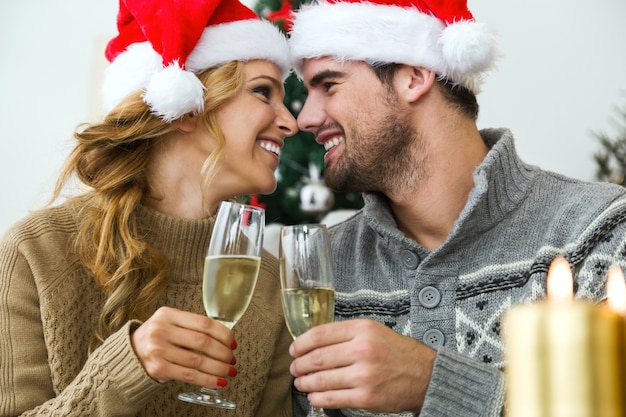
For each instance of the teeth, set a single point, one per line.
(268, 146)
(333, 142)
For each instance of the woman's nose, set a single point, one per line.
(287, 122)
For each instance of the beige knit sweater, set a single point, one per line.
(49, 304)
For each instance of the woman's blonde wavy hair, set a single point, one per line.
(111, 158)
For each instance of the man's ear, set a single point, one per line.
(187, 123)
(414, 82)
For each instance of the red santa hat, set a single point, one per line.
(162, 44)
(439, 35)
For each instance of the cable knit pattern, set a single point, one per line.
(517, 219)
(49, 305)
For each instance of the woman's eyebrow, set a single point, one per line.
(273, 80)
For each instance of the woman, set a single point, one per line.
(100, 296)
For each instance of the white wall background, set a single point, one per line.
(562, 77)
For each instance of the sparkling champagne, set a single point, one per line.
(307, 307)
(228, 286)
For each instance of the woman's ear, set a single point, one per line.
(414, 82)
(187, 123)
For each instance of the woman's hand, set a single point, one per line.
(187, 347)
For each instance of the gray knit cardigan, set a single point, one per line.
(517, 219)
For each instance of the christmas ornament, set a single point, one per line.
(283, 16)
(315, 197)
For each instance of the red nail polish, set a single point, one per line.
(233, 345)
(232, 372)
(221, 382)
(233, 361)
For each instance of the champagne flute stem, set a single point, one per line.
(316, 412)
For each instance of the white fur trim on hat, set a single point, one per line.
(241, 40)
(377, 33)
(172, 92)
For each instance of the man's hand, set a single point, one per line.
(362, 364)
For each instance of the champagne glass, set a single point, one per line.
(307, 281)
(231, 268)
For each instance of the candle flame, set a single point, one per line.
(560, 285)
(616, 290)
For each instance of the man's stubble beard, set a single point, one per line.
(381, 158)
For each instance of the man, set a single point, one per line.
(455, 229)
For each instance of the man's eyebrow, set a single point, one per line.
(321, 76)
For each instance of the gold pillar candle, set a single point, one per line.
(616, 303)
(549, 360)
(562, 355)
(608, 366)
(525, 349)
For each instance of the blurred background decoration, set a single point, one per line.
(611, 159)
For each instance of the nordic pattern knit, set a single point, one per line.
(49, 305)
(517, 219)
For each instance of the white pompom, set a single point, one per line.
(468, 47)
(174, 92)
(128, 73)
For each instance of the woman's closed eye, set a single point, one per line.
(263, 90)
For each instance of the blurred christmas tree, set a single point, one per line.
(301, 196)
(611, 159)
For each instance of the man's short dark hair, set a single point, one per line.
(460, 97)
